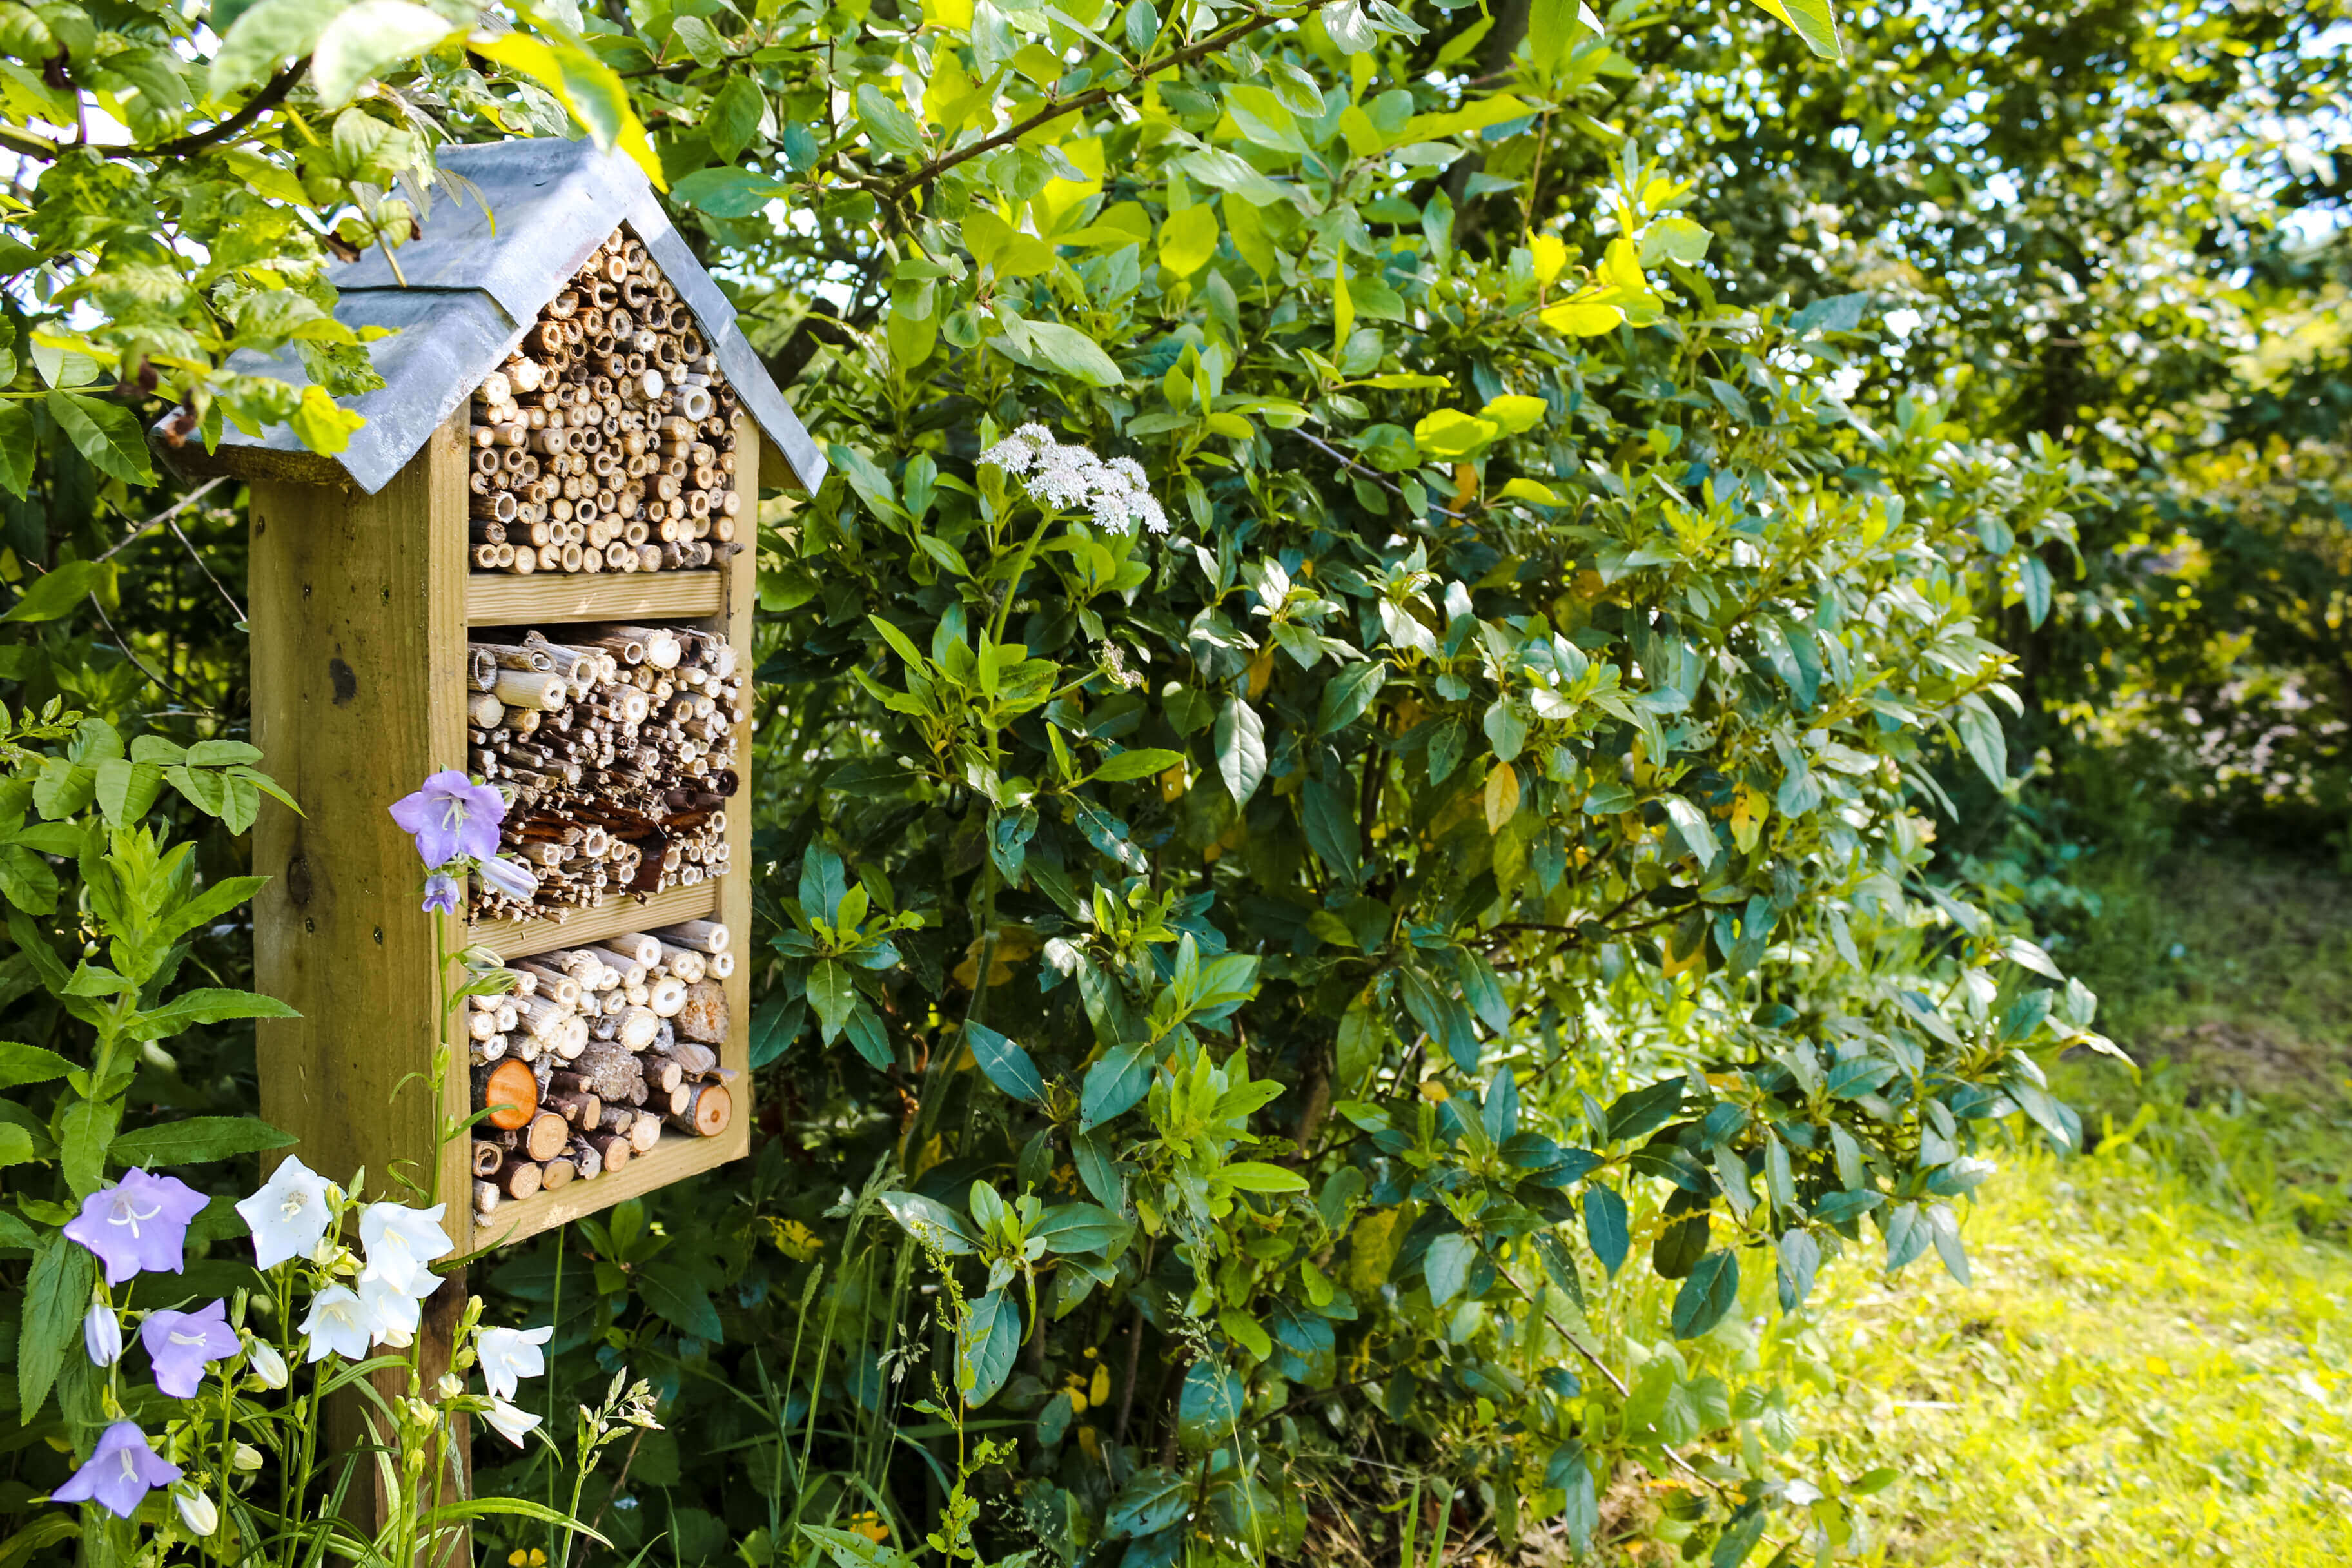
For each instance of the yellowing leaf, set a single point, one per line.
(1123, 222)
(1040, 64)
(1364, 137)
(1343, 309)
(1515, 412)
(1621, 266)
(997, 245)
(584, 85)
(956, 13)
(1529, 489)
(1250, 238)
(951, 96)
(1470, 117)
(1188, 239)
(1449, 432)
(1232, 425)
(1813, 22)
(1550, 253)
(1582, 318)
(1502, 796)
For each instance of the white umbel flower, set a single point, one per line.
(1072, 479)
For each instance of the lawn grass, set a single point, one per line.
(2153, 1364)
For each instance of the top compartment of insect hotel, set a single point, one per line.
(531, 563)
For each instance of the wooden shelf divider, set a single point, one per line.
(512, 940)
(502, 599)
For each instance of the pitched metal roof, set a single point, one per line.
(474, 284)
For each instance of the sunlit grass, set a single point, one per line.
(2134, 1378)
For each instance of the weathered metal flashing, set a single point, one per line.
(467, 291)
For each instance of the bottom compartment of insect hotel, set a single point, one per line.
(596, 1054)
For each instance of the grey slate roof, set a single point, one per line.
(476, 281)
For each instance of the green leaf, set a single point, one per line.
(1446, 1266)
(986, 1347)
(1605, 1228)
(1799, 1259)
(1981, 735)
(1071, 352)
(108, 433)
(1080, 1228)
(1255, 1176)
(729, 192)
(84, 1133)
(196, 1140)
(833, 993)
(58, 593)
(679, 1297)
(364, 38)
(1347, 694)
(1697, 834)
(19, 444)
(733, 118)
(1141, 763)
(931, 1220)
(206, 1005)
(1152, 1500)
(30, 1064)
(1114, 1085)
(1711, 1290)
(1241, 750)
(1008, 1067)
(1642, 1111)
(126, 790)
(850, 1550)
(56, 1295)
(1559, 1265)
(887, 122)
(1568, 1473)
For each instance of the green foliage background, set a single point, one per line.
(1350, 1027)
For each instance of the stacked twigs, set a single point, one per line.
(593, 1054)
(617, 747)
(606, 442)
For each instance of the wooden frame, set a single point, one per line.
(361, 609)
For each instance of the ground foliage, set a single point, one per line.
(1346, 989)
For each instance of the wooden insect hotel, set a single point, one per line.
(534, 565)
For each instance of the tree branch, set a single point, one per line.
(259, 104)
(1087, 100)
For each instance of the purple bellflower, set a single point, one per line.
(122, 1470)
(452, 817)
(140, 1223)
(181, 1344)
(441, 891)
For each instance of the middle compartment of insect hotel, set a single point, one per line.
(616, 747)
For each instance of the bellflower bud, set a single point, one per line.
(102, 1335)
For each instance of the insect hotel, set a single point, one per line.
(534, 565)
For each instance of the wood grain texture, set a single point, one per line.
(502, 599)
(358, 633)
(512, 940)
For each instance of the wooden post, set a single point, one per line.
(357, 618)
(358, 627)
